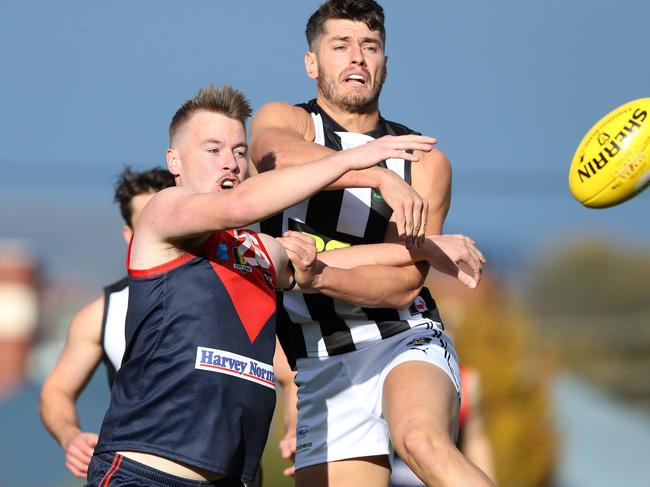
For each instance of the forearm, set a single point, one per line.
(383, 286)
(384, 254)
(59, 414)
(262, 196)
(293, 152)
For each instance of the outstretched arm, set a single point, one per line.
(337, 273)
(78, 360)
(177, 212)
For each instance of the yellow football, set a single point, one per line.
(612, 163)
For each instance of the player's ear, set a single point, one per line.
(127, 233)
(173, 162)
(311, 64)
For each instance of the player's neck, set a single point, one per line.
(352, 122)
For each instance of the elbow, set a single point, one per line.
(410, 289)
(404, 300)
(43, 400)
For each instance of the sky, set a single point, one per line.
(509, 88)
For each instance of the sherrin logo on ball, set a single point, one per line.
(612, 163)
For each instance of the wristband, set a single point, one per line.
(292, 284)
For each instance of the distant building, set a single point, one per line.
(18, 313)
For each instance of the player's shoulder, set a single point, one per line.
(87, 323)
(279, 112)
(435, 161)
(282, 116)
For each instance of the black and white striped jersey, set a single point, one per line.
(336, 219)
(116, 300)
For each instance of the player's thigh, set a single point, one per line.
(419, 396)
(355, 472)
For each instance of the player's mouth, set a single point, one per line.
(356, 79)
(228, 182)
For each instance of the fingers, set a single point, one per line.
(400, 223)
(409, 223)
(88, 444)
(77, 463)
(412, 142)
(459, 257)
(467, 275)
(290, 471)
(422, 232)
(300, 248)
(470, 263)
(79, 453)
(287, 448)
(414, 214)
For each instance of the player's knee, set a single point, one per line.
(427, 446)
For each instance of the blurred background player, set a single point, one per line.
(19, 306)
(96, 333)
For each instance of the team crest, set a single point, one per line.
(419, 306)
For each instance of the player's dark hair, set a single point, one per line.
(225, 100)
(367, 11)
(132, 183)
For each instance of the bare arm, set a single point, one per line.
(390, 287)
(289, 400)
(283, 135)
(176, 213)
(78, 360)
(431, 178)
(397, 287)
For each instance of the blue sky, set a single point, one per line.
(508, 87)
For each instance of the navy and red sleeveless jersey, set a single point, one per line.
(196, 383)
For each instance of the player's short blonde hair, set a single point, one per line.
(225, 100)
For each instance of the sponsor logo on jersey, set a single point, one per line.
(235, 365)
(376, 195)
(419, 341)
(303, 447)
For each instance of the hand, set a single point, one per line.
(287, 447)
(411, 210)
(78, 452)
(287, 444)
(301, 250)
(457, 256)
(388, 147)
